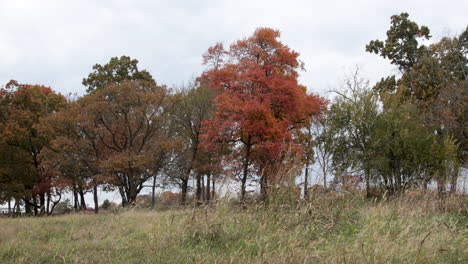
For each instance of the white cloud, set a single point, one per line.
(56, 42)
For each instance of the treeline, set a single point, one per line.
(246, 119)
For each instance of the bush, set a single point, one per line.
(106, 204)
(63, 207)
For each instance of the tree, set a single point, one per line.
(434, 79)
(115, 71)
(323, 143)
(193, 106)
(72, 153)
(260, 106)
(401, 46)
(21, 174)
(308, 143)
(406, 153)
(437, 87)
(353, 115)
(125, 124)
(385, 140)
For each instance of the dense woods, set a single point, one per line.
(246, 121)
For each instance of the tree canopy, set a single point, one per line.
(115, 71)
(260, 106)
(245, 119)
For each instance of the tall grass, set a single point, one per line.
(324, 229)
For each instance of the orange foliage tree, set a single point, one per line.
(127, 123)
(116, 137)
(261, 109)
(21, 175)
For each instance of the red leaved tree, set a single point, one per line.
(260, 106)
(21, 175)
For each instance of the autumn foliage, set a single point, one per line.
(22, 106)
(260, 106)
(245, 121)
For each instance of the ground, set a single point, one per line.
(323, 230)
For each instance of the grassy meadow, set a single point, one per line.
(324, 229)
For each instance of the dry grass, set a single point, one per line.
(322, 230)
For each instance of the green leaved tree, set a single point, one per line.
(115, 71)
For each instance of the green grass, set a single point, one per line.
(322, 230)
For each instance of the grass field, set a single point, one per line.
(322, 230)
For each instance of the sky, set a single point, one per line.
(56, 42)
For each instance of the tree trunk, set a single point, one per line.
(35, 207)
(441, 187)
(48, 203)
(18, 208)
(75, 199)
(124, 196)
(246, 169)
(153, 193)
(367, 177)
(399, 184)
(454, 179)
(198, 191)
(306, 185)
(132, 197)
(83, 202)
(42, 203)
(213, 188)
(132, 189)
(208, 180)
(264, 187)
(425, 183)
(183, 199)
(184, 188)
(96, 201)
(324, 179)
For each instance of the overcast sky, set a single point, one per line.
(56, 43)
